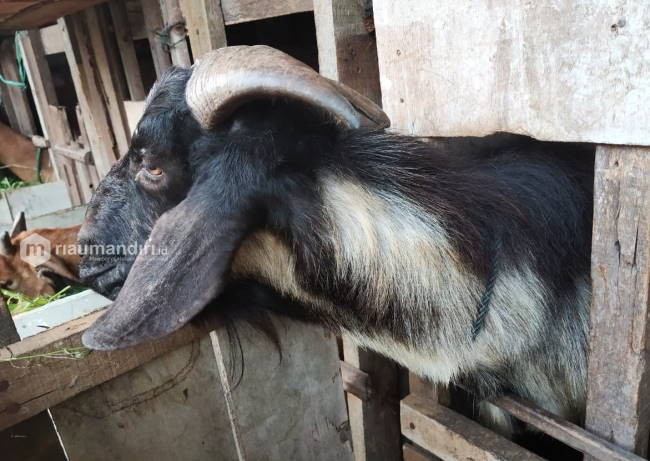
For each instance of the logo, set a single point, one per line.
(35, 250)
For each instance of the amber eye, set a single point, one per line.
(155, 171)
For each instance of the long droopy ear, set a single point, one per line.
(178, 272)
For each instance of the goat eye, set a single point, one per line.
(155, 171)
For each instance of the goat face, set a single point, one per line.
(213, 155)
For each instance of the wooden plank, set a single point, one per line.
(40, 82)
(74, 153)
(175, 397)
(285, 409)
(108, 84)
(570, 71)
(451, 436)
(127, 50)
(174, 23)
(96, 121)
(52, 39)
(205, 26)
(60, 132)
(237, 11)
(564, 431)
(412, 452)
(153, 22)
(618, 406)
(355, 381)
(42, 12)
(32, 385)
(14, 98)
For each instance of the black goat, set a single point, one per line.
(256, 181)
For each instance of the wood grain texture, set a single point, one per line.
(124, 39)
(292, 408)
(205, 26)
(236, 11)
(451, 436)
(564, 71)
(356, 382)
(618, 406)
(153, 23)
(15, 99)
(29, 386)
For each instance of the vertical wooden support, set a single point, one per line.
(96, 115)
(127, 50)
(174, 22)
(618, 406)
(205, 25)
(348, 53)
(35, 438)
(153, 22)
(14, 98)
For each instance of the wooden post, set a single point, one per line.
(347, 52)
(79, 52)
(174, 22)
(153, 22)
(205, 26)
(618, 405)
(14, 98)
(127, 50)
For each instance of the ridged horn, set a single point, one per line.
(225, 79)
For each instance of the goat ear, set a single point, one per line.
(6, 247)
(180, 269)
(20, 225)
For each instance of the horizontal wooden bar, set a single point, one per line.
(52, 38)
(355, 381)
(564, 431)
(238, 11)
(78, 154)
(31, 385)
(451, 436)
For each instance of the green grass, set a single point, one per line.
(19, 303)
(9, 183)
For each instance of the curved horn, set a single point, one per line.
(6, 247)
(226, 78)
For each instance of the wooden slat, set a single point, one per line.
(15, 99)
(153, 22)
(60, 132)
(52, 39)
(411, 452)
(564, 431)
(562, 71)
(171, 13)
(42, 12)
(452, 436)
(32, 385)
(124, 40)
(237, 11)
(356, 382)
(74, 153)
(618, 406)
(205, 26)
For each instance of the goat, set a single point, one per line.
(19, 155)
(61, 269)
(252, 183)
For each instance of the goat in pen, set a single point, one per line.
(255, 184)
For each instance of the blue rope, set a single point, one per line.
(22, 74)
(484, 304)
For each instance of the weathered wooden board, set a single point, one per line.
(29, 386)
(36, 13)
(205, 26)
(153, 23)
(236, 11)
(14, 98)
(172, 408)
(566, 70)
(124, 39)
(618, 406)
(285, 409)
(452, 436)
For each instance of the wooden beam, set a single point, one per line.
(618, 404)
(52, 39)
(564, 431)
(238, 11)
(452, 436)
(124, 40)
(153, 22)
(205, 25)
(29, 386)
(15, 99)
(60, 132)
(412, 452)
(356, 382)
(95, 114)
(174, 24)
(41, 12)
